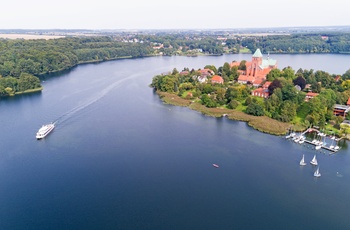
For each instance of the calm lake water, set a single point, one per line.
(121, 159)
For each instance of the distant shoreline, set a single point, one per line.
(30, 36)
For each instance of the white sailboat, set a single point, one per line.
(317, 172)
(332, 146)
(314, 161)
(302, 161)
(319, 142)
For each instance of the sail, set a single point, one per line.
(314, 160)
(317, 173)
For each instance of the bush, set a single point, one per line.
(233, 104)
(248, 101)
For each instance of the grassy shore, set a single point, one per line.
(263, 123)
(29, 91)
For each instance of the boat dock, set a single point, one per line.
(322, 146)
(300, 138)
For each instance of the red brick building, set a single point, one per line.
(256, 70)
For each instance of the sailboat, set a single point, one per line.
(319, 142)
(317, 172)
(314, 161)
(302, 161)
(332, 146)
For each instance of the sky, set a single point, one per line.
(179, 14)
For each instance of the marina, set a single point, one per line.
(318, 143)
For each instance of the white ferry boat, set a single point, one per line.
(44, 130)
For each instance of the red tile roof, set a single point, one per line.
(348, 102)
(311, 94)
(266, 84)
(217, 79)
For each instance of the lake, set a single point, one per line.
(121, 159)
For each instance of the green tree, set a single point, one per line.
(233, 104)
(167, 84)
(255, 109)
(273, 74)
(208, 101)
(288, 73)
(242, 65)
(288, 111)
(300, 81)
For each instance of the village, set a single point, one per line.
(252, 82)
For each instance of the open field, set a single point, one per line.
(29, 36)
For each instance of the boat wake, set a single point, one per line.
(93, 100)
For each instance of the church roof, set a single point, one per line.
(268, 62)
(257, 53)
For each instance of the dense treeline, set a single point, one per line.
(38, 57)
(23, 59)
(293, 43)
(300, 43)
(286, 102)
(185, 43)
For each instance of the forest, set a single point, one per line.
(22, 62)
(287, 91)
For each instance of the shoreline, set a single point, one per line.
(263, 124)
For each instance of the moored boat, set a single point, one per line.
(44, 130)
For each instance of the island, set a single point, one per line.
(256, 91)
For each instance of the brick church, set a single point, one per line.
(256, 70)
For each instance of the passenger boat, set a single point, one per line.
(44, 131)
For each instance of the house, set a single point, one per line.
(307, 87)
(257, 82)
(266, 84)
(256, 70)
(337, 78)
(158, 47)
(185, 72)
(202, 79)
(217, 79)
(310, 95)
(348, 102)
(346, 122)
(340, 110)
(261, 92)
(204, 74)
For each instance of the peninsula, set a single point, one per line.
(256, 91)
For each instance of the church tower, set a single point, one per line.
(256, 63)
